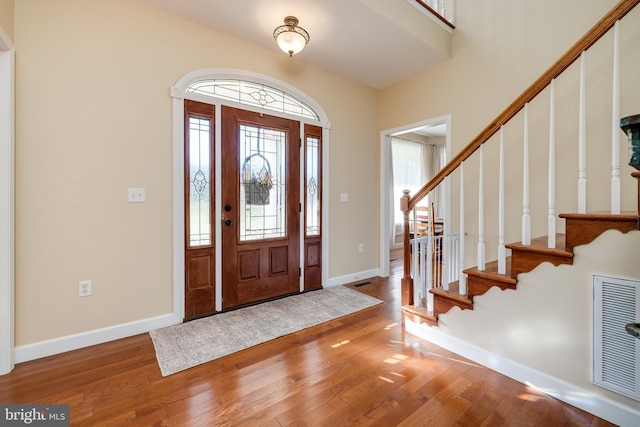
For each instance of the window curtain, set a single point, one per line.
(413, 165)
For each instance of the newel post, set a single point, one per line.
(631, 126)
(636, 175)
(407, 281)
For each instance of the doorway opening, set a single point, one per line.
(421, 149)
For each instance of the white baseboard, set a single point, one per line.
(350, 278)
(50, 347)
(598, 405)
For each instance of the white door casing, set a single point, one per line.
(386, 192)
(7, 283)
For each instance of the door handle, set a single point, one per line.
(228, 222)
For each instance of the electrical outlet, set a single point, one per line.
(361, 248)
(84, 288)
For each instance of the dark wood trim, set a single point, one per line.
(199, 262)
(271, 266)
(636, 175)
(313, 243)
(569, 57)
(588, 40)
(581, 229)
(407, 280)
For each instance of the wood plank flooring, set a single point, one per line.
(358, 370)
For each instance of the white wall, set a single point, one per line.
(93, 118)
(499, 49)
(541, 333)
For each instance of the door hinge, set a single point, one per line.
(300, 143)
(300, 207)
(300, 272)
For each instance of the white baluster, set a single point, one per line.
(526, 217)
(415, 264)
(462, 278)
(481, 246)
(615, 125)
(582, 141)
(425, 284)
(429, 261)
(445, 250)
(502, 256)
(428, 270)
(551, 219)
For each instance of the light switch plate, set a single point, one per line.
(136, 195)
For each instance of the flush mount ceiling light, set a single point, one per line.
(291, 38)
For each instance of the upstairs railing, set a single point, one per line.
(546, 80)
(441, 9)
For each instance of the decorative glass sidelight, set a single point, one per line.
(199, 182)
(312, 179)
(263, 203)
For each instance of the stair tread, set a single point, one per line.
(540, 245)
(422, 313)
(491, 272)
(538, 249)
(453, 293)
(599, 215)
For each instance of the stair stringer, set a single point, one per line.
(546, 324)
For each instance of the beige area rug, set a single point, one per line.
(192, 343)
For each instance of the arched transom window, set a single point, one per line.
(253, 94)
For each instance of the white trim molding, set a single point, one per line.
(354, 277)
(572, 394)
(50, 347)
(386, 191)
(7, 206)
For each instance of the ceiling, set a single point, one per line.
(348, 37)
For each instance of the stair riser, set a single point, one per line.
(479, 285)
(524, 262)
(415, 318)
(584, 231)
(441, 305)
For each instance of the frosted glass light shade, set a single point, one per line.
(291, 38)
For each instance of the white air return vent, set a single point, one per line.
(616, 353)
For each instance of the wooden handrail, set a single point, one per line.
(436, 14)
(407, 203)
(588, 40)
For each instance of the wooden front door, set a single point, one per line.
(199, 209)
(260, 207)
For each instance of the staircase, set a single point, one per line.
(580, 228)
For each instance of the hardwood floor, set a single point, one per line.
(358, 370)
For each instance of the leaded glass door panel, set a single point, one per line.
(313, 207)
(260, 207)
(199, 210)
